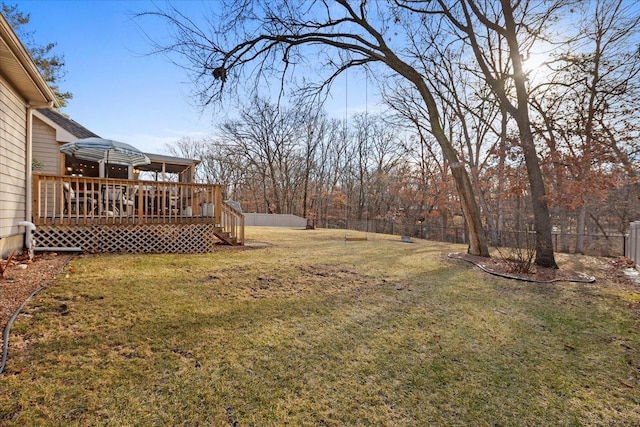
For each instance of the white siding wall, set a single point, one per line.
(632, 243)
(46, 150)
(45, 147)
(13, 153)
(274, 220)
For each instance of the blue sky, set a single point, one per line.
(120, 92)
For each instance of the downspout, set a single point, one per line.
(30, 227)
(29, 165)
(28, 239)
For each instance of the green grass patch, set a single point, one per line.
(316, 330)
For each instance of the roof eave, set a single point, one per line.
(18, 66)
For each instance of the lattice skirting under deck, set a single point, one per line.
(152, 238)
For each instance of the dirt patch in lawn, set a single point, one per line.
(23, 276)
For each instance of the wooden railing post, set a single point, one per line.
(141, 206)
(218, 204)
(241, 237)
(59, 195)
(35, 202)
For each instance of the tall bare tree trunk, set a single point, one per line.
(542, 217)
(478, 244)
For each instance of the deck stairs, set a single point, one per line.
(225, 237)
(231, 231)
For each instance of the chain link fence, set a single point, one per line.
(593, 244)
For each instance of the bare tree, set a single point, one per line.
(259, 38)
(377, 155)
(216, 166)
(486, 26)
(586, 113)
(471, 116)
(266, 138)
(333, 158)
(431, 169)
(314, 131)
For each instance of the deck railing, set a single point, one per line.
(70, 200)
(74, 200)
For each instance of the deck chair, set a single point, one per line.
(76, 202)
(116, 200)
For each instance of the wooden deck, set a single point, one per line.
(117, 215)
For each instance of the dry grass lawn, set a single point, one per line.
(313, 330)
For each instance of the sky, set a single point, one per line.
(119, 91)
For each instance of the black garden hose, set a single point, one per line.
(7, 329)
(584, 278)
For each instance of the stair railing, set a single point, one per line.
(233, 222)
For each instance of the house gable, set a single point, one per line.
(67, 130)
(50, 130)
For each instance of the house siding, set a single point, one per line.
(45, 147)
(13, 167)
